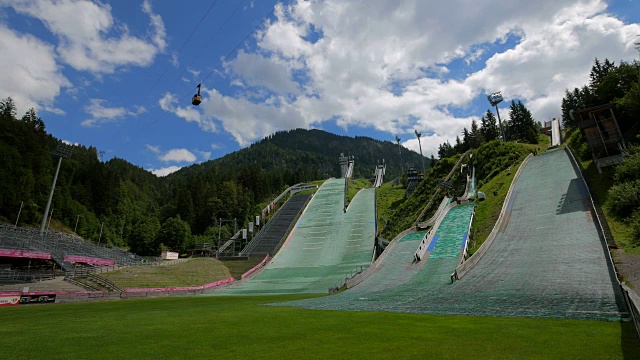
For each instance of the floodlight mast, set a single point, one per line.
(495, 99)
(62, 151)
(400, 151)
(418, 135)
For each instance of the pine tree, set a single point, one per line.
(599, 71)
(458, 146)
(489, 127)
(529, 128)
(569, 105)
(475, 136)
(446, 150)
(8, 109)
(33, 120)
(521, 127)
(466, 140)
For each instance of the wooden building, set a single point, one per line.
(599, 127)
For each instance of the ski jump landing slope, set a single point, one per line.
(325, 246)
(547, 260)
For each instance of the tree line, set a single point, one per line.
(136, 209)
(520, 127)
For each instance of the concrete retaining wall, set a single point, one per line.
(633, 304)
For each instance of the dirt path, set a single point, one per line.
(628, 265)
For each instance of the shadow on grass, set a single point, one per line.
(629, 341)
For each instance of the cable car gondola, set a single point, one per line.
(196, 99)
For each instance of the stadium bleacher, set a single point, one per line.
(60, 245)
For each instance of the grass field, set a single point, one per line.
(194, 272)
(355, 185)
(389, 197)
(241, 328)
(599, 185)
(488, 211)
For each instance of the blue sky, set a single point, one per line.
(119, 75)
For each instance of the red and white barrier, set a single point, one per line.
(89, 260)
(25, 254)
(253, 269)
(186, 288)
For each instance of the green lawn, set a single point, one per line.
(599, 185)
(241, 328)
(389, 197)
(355, 185)
(194, 272)
(488, 211)
(237, 268)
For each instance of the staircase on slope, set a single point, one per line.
(270, 237)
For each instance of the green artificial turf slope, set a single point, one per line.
(243, 328)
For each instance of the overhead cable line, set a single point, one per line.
(180, 50)
(215, 68)
(193, 31)
(239, 44)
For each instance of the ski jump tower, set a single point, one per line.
(346, 166)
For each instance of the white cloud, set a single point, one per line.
(101, 113)
(178, 155)
(165, 171)
(556, 56)
(474, 56)
(194, 73)
(247, 121)
(86, 33)
(30, 74)
(159, 35)
(169, 103)
(257, 70)
(174, 60)
(153, 149)
(204, 155)
(216, 146)
(237, 82)
(70, 143)
(387, 65)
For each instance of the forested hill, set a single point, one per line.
(143, 211)
(314, 153)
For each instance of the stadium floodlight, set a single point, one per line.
(418, 135)
(76, 228)
(62, 151)
(495, 99)
(100, 236)
(400, 152)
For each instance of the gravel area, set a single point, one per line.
(628, 265)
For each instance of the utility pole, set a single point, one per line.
(63, 151)
(49, 224)
(18, 218)
(495, 99)
(424, 171)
